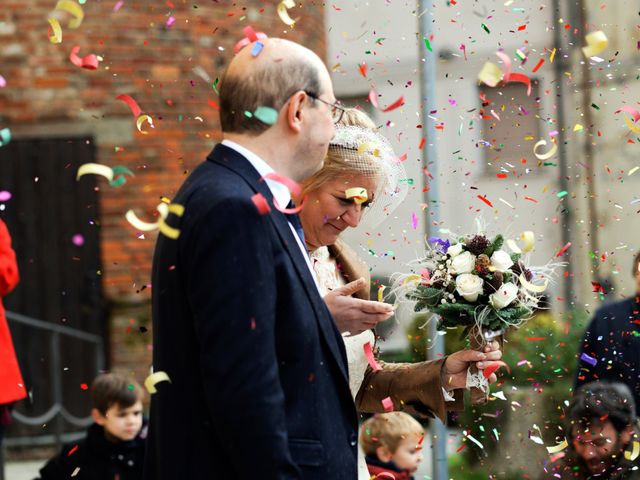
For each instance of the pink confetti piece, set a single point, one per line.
(170, 21)
(261, 203)
(370, 358)
(3, 82)
(373, 98)
(414, 220)
(133, 105)
(118, 6)
(563, 249)
(78, 240)
(387, 404)
(5, 196)
(90, 62)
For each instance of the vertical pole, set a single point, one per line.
(429, 154)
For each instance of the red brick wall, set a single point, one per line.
(154, 65)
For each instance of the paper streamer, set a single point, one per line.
(381, 290)
(528, 241)
(634, 113)
(57, 31)
(261, 203)
(283, 6)
(74, 9)
(544, 156)
(164, 211)
(5, 136)
(95, 169)
(250, 37)
(558, 448)
(387, 404)
(532, 287)
(633, 454)
(373, 98)
(141, 120)
(358, 194)
(90, 62)
(368, 352)
(293, 187)
(120, 179)
(491, 74)
(596, 43)
(152, 380)
(133, 105)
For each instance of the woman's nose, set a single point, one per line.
(352, 215)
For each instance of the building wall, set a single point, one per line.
(46, 95)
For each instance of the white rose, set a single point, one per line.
(454, 250)
(506, 294)
(463, 263)
(469, 286)
(501, 261)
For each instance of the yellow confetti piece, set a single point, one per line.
(152, 380)
(381, 290)
(74, 9)
(632, 171)
(57, 31)
(596, 43)
(631, 125)
(358, 194)
(634, 454)
(577, 127)
(283, 6)
(490, 74)
(553, 54)
(96, 169)
(164, 211)
(559, 447)
(544, 156)
(141, 119)
(531, 287)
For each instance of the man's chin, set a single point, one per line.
(597, 467)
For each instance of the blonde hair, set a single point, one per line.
(388, 430)
(335, 164)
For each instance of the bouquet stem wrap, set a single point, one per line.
(479, 385)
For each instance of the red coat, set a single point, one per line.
(11, 383)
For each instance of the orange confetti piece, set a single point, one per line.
(484, 199)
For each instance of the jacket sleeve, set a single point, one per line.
(8, 267)
(232, 292)
(415, 388)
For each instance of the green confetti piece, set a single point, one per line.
(427, 44)
(409, 181)
(5, 136)
(486, 29)
(121, 179)
(266, 115)
(562, 194)
(550, 164)
(179, 118)
(595, 106)
(248, 114)
(215, 85)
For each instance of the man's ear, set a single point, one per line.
(294, 111)
(383, 453)
(98, 417)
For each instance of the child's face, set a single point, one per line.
(122, 424)
(408, 455)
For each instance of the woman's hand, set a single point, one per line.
(454, 371)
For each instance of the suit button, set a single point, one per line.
(353, 440)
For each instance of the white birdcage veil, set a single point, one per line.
(369, 153)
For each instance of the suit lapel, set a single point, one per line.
(232, 160)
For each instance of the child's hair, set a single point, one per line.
(388, 430)
(109, 389)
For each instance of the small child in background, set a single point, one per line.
(392, 443)
(114, 446)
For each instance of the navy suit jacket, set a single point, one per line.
(613, 340)
(259, 385)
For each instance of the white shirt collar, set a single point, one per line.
(280, 192)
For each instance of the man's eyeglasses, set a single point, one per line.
(337, 109)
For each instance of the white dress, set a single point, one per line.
(329, 278)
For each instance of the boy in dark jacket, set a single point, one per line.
(392, 443)
(114, 446)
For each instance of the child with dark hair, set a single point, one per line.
(603, 435)
(114, 446)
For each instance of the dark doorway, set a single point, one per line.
(54, 222)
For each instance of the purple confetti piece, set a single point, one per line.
(118, 6)
(590, 360)
(414, 220)
(5, 196)
(170, 21)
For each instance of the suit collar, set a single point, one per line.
(233, 160)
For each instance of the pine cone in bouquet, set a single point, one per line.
(518, 269)
(483, 262)
(477, 244)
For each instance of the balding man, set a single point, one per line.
(258, 371)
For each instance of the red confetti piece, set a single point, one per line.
(90, 62)
(387, 404)
(422, 140)
(133, 105)
(363, 69)
(535, 339)
(501, 175)
(531, 199)
(373, 98)
(401, 158)
(370, 358)
(462, 447)
(492, 367)
(563, 249)
(521, 28)
(250, 37)
(72, 451)
(213, 104)
(484, 199)
(84, 386)
(597, 287)
(538, 65)
(261, 203)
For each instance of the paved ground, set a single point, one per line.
(22, 470)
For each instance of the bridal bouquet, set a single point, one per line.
(473, 282)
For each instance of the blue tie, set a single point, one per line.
(294, 220)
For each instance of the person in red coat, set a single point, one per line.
(11, 384)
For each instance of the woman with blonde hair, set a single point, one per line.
(361, 172)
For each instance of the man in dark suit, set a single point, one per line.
(258, 371)
(611, 344)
